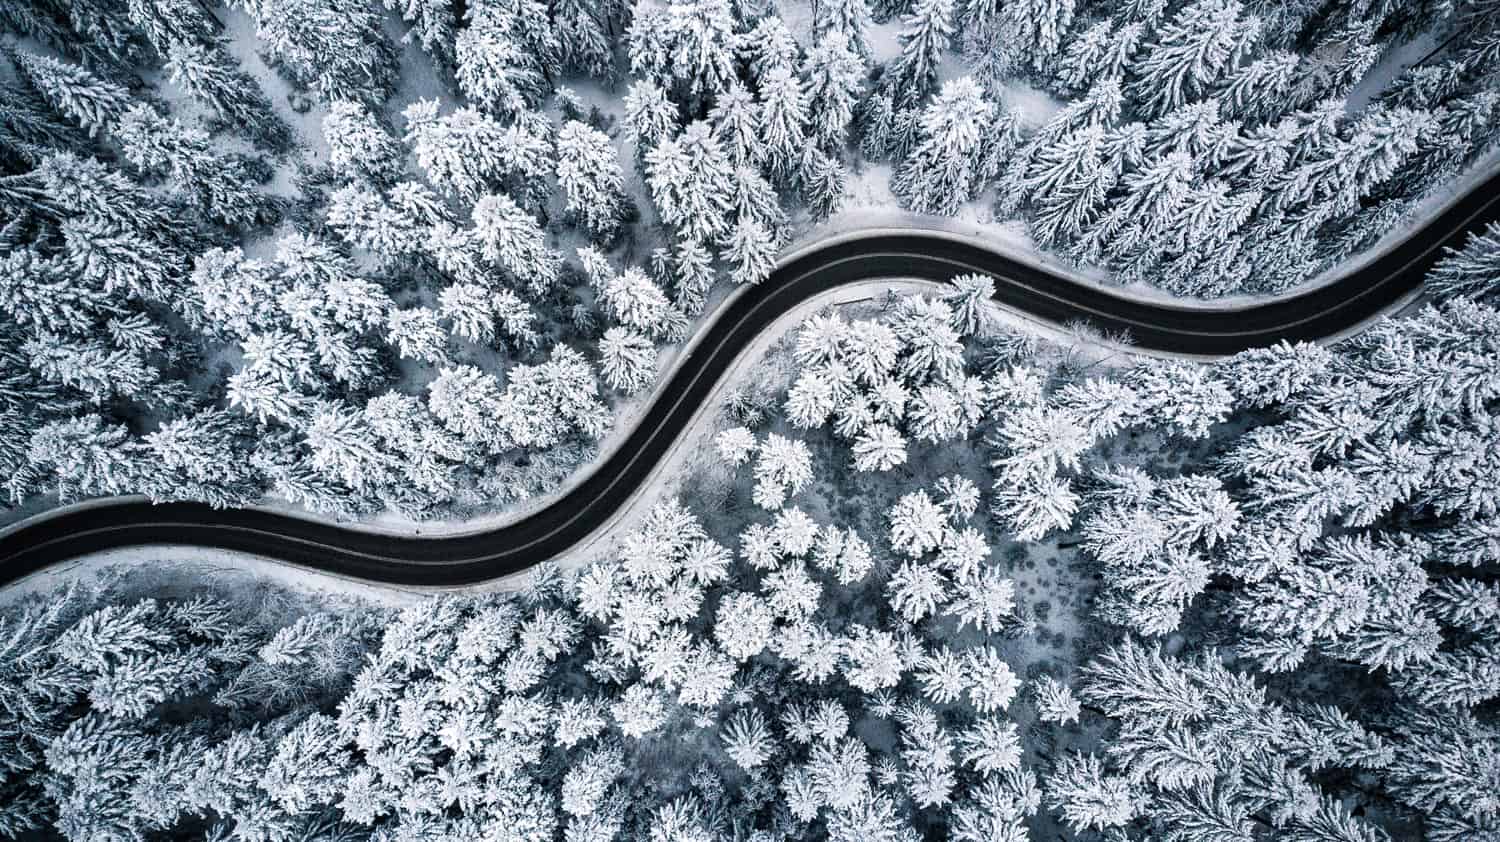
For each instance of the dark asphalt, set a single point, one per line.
(481, 556)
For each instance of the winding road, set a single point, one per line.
(475, 557)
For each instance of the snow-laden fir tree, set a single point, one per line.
(627, 360)
(589, 174)
(925, 35)
(77, 94)
(219, 184)
(504, 55)
(210, 74)
(510, 239)
(334, 46)
(945, 168)
(783, 121)
(691, 182)
(359, 146)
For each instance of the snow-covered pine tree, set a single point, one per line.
(165, 22)
(220, 184)
(925, 35)
(650, 116)
(359, 146)
(686, 46)
(694, 276)
(459, 152)
(822, 178)
(504, 55)
(1101, 51)
(1025, 32)
(1471, 271)
(752, 249)
(432, 27)
(86, 457)
(736, 118)
(589, 174)
(77, 94)
(335, 46)
(509, 238)
(691, 183)
(415, 333)
(209, 73)
(585, 35)
(835, 76)
(783, 121)
(851, 18)
(1187, 57)
(940, 173)
(627, 360)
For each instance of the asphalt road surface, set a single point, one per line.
(480, 556)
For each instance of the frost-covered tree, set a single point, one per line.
(432, 27)
(736, 445)
(943, 170)
(1100, 51)
(1087, 797)
(627, 360)
(359, 146)
(926, 34)
(823, 178)
(93, 368)
(971, 294)
(1470, 271)
(505, 54)
(691, 183)
(753, 250)
(209, 73)
(1192, 53)
(650, 116)
(86, 457)
(782, 468)
(784, 116)
(334, 46)
(917, 524)
(585, 35)
(509, 238)
(686, 46)
(742, 626)
(835, 76)
(589, 174)
(469, 311)
(1055, 701)
(220, 184)
(631, 299)
(736, 118)
(850, 18)
(77, 94)
(459, 152)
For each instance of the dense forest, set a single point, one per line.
(935, 577)
(430, 295)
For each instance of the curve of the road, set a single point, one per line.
(475, 557)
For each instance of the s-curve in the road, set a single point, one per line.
(1328, 310)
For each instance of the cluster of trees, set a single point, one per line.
(1205, 147)
(671, 691)
(903, 380)
(119, 295)
(1205, 144)
(1337, 540)
(809, 679)
(729, 114)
